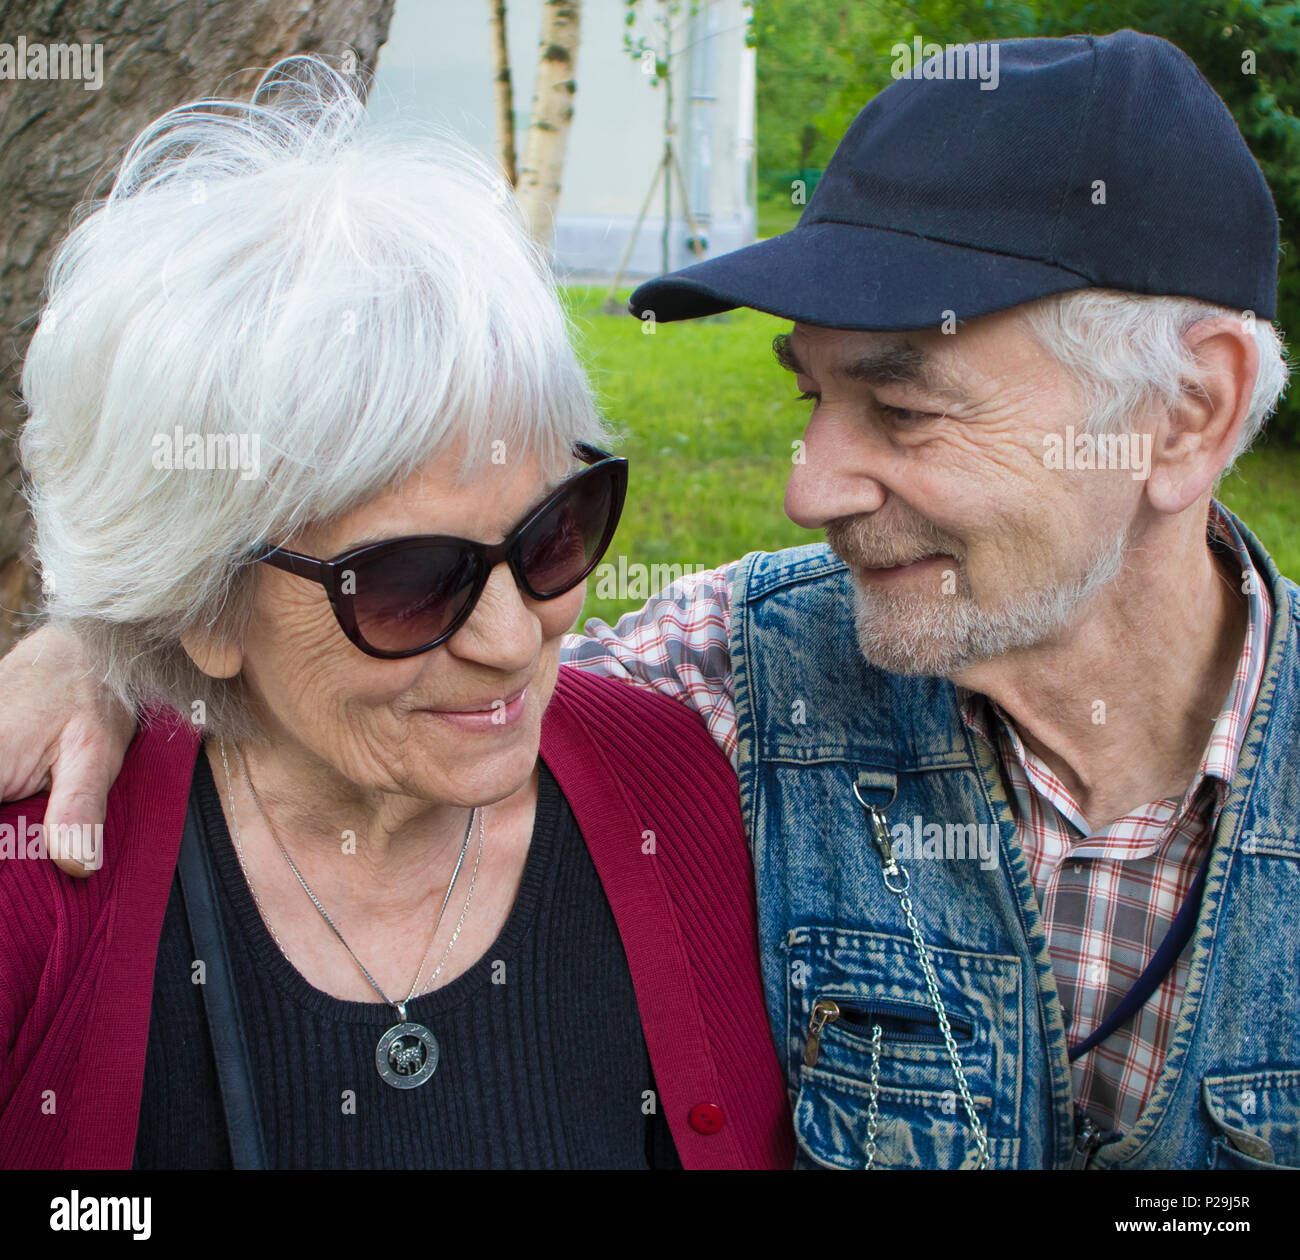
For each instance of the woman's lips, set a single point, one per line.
(500, 715)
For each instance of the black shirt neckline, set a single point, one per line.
(266, 954)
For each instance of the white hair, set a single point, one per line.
(1127, 352)
(354, 297)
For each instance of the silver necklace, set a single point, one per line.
(407, 1054)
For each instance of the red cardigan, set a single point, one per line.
(77, 956)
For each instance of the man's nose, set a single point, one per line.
(832, 475)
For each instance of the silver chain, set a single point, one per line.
(873, 1093)
(897, 881)
(399, 1007)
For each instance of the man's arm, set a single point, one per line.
(675, 644)
(59, 728)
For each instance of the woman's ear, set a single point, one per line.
(218, 658)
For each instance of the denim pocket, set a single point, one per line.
(1224, 1155)
(875, 980)
(915, 1128)
(1257, 1118)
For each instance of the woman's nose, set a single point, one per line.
(502, 631)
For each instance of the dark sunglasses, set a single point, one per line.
(407, 595)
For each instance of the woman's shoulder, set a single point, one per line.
(630, 754)
(31, 889)
(627, 712)
(134, 848)
(154, 777)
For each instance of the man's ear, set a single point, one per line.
(1199, 433)
(216, 657)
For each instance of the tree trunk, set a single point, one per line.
(548, 127)
(55, 136)
(504, 91)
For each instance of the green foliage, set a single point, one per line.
(707, 421)
(819, 63)
(809, 55)
(662, 14)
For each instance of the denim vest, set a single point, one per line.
(814, 719)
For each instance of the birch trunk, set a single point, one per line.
(504, 91)
(538, 186)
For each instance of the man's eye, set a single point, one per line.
(902, 415)
(807, 396)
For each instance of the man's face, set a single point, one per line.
(924, 462)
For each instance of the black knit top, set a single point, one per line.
(542, 1059)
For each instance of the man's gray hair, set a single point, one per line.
(1127, 352)
(347, 298)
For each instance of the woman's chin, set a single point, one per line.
(460, 778)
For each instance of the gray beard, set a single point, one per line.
(941, 635)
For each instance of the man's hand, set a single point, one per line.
(55, 719)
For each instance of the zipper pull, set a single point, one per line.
(824, 1012)
(1085, 1144)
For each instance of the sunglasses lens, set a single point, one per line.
(408, 598)
(561, 547)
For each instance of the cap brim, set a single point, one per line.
(839, 275)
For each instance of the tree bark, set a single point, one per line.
(538, 186)
(55, 136)
(503, 88)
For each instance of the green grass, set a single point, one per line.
(776, 214)
(1264, 490)
(707, 421)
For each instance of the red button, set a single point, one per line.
(706, 1117)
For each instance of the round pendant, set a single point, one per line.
(407, 1055)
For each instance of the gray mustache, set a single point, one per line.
(856, 542)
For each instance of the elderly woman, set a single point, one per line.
(316, 479)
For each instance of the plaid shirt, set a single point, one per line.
(1107, 897)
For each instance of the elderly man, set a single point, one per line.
(1018, 749)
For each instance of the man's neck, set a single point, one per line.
(1120, 708)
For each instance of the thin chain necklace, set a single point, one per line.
(407, 1053)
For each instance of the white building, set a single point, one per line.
(438, 61)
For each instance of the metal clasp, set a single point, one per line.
(896, 878)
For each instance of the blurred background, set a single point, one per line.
(639, 135)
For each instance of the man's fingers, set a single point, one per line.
(70, 866)
(38, 676)
(74, 818)
(60, 728)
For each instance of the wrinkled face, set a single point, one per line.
(432, 726)
(925, 461)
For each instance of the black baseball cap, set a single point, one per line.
(1083, 162)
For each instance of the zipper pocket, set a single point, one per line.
(900, 1022)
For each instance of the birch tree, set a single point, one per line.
(503, 91)
(538, 185)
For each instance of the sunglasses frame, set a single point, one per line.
(329, 573)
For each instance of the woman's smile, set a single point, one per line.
(497, 714)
